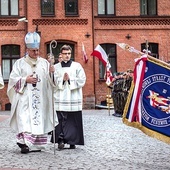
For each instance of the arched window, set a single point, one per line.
(152, 47)
(56, 50)
(110, 50)
(10, 53)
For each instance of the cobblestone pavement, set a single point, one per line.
(109, 145)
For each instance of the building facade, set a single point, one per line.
(88, 22)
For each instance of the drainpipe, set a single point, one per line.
(26, 23)
(26, 15)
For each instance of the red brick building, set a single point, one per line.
(91, 22)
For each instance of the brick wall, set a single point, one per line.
(106, 30)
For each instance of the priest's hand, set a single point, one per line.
(66, 77)
(51, 69)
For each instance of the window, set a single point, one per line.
(106, 7)
(9, 7)
(110, 50)
(56, 50)
(47, 8)
(148, 7)
(152, 47)
(10, 53)
(71, 7)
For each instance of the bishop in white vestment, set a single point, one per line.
(30, 94)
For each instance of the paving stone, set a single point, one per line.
(109, 145)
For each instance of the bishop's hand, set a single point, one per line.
(31, 79)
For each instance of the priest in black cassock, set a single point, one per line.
(69, 77)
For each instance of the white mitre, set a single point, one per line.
(32, 40)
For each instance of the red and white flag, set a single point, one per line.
(84, 54)
(100, 54)
(139, 71)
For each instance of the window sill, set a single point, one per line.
(48, 15)
(71, 15)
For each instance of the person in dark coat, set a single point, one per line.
(120, 91)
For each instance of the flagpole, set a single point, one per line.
(108, 97)
(132, 49)
(53, 44)
(109, 101)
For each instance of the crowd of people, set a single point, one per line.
(120, 86)
(45, 96)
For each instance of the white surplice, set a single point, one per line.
(68, 95)
(31, 107)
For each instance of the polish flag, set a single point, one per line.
(100, 54)
(84, 54)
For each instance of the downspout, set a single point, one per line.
(26, 23)
(26, 15)
(93, 49)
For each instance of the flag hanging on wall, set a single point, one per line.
(148, 104)
(84, 54)
(100, 54)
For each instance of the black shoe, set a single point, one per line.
(117, 114)
(36, 150)
(72, 147)
(21, 145)
(25, 149)
(50, 133)
(61, 145)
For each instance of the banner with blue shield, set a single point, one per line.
(148, 104)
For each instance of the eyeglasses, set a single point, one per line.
(66, 53)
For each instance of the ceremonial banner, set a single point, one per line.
(148, 104)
